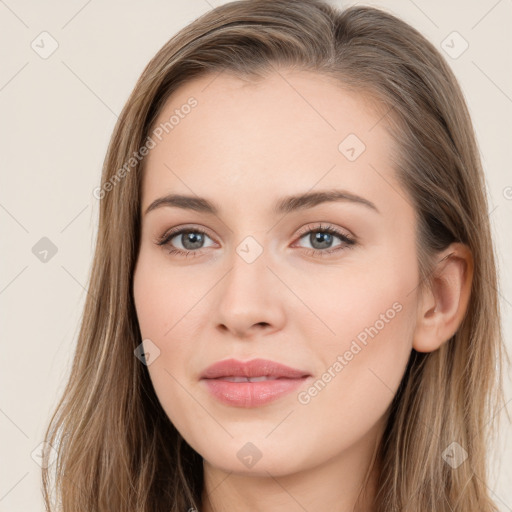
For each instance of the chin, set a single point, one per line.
(258, 458)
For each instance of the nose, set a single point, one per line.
(249, 300)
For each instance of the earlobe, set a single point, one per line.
(443, 306)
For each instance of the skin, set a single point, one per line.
(243, 147)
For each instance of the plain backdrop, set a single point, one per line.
(67, 69)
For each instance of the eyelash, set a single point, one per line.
(331, 230)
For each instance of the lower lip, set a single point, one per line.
(251, 394)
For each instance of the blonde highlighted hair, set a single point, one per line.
(117, 449)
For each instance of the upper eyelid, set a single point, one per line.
(325, 226)
(171, 233)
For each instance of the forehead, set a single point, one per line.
(287, 133)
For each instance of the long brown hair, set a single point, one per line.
(117, 449)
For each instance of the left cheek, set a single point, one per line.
(379, 353)
(372, 325)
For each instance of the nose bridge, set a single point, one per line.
(245, 297)
(249, 273)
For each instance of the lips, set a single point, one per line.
(253, 383)
(251, 371)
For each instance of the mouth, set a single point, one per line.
(253, 383)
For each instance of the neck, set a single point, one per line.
(344, 483)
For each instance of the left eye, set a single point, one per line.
(321, 239)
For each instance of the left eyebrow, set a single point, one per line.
(283, 206)
(311, 199)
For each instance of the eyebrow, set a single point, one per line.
(284, 205)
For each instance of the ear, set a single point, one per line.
(441, 308)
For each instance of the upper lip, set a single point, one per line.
(253, 368)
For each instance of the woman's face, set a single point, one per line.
(257, 276)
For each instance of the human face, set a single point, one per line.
(258, 284)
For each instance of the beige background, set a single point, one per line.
(57, 116)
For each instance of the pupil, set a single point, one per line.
(196, 239)
(323, 238)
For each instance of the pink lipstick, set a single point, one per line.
(252, 383)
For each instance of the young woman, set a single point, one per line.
(293, 299)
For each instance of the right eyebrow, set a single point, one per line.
(197, 204)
